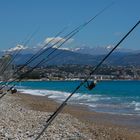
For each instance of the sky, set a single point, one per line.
(21, 18)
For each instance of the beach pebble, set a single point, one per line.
(19, 122)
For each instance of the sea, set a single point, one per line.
(114, 97)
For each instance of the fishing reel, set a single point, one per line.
(13, 90)
(90, 85)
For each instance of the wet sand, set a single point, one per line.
(99, 126)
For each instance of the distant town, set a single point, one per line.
(66, 72)
(77, 72)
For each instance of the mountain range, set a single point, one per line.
(82, 56)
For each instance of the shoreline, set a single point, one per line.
(23, 116)
(58, 96)
(82, 112)
(41, 80)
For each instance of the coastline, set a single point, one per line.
(82, 112)
(105, 98)
(78, 79)
(90, 125)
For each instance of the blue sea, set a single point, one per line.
(115, 97)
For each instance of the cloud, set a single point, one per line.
(66, 49)
(18, 47)
(54, 40)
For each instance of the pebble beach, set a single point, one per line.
(23, 116)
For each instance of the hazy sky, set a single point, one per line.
(20, 18)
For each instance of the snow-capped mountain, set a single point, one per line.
(100, 50)
(81, 56)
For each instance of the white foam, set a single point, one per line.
(92, 100)
(91, 105)
(136, 105)
(33, 92)
(59, 95)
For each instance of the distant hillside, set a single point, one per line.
(63, 57)
(70, 57)
(129, 60)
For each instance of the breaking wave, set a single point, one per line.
(96, 102)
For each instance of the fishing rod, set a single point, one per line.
(75, 31)
(64, 103)
(18, 52)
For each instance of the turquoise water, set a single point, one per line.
(121, 97)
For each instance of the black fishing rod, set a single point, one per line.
(60, 108)
(70, 35)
